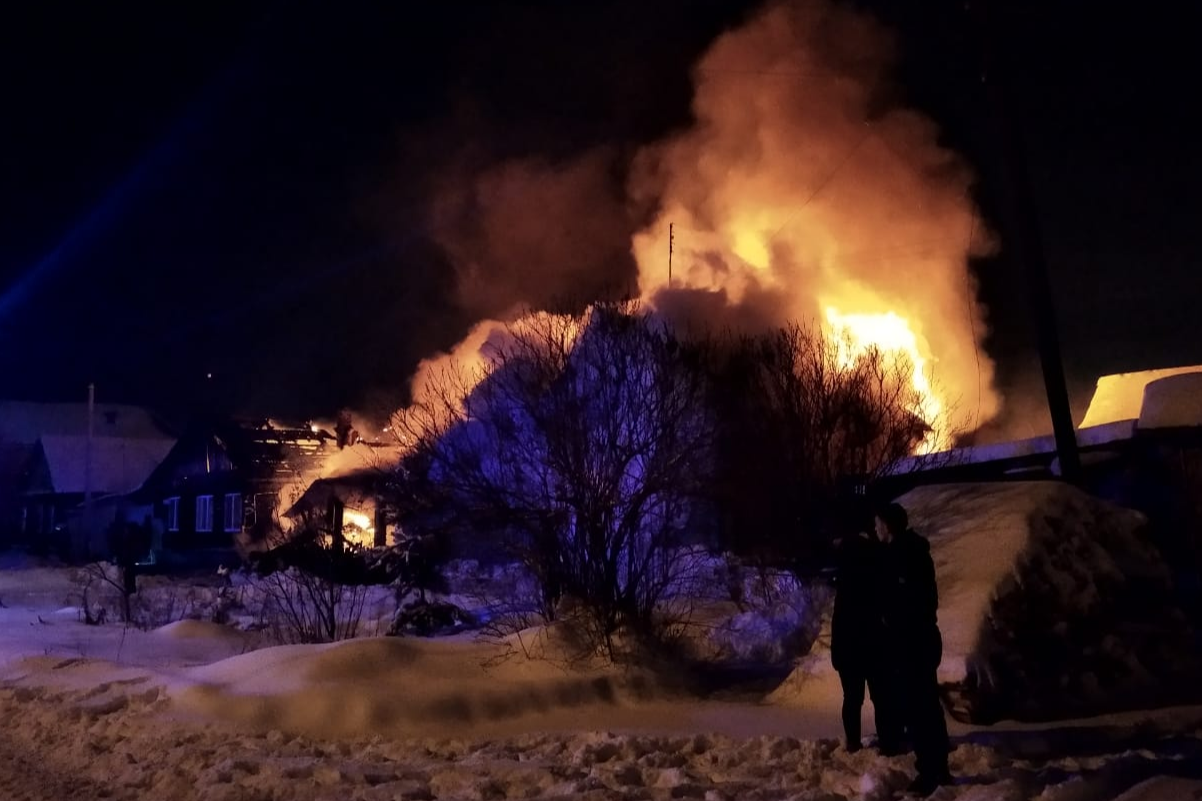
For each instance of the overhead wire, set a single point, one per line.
(972, 323)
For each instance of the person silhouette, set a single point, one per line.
(858, 638)
(910, 599)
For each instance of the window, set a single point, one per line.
(233, 511)
(171, 507)
(204, 512)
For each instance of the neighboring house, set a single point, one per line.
(13, 458)
(43, 461)
(64, 471)
(227, 481)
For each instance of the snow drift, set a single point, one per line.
(1052, 604)
(396, 685)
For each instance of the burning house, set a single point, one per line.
(345, 493)
(226, 482)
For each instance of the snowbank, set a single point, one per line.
(1052, 604)
(125, 740)
(390, 685)
(198, 629)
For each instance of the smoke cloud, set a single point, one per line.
(798, 189)
(535, 233)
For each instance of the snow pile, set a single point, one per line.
(77, 729)
(390, 685)
(774, 617)
(1052, 602)
(189, 712)
(198, 630)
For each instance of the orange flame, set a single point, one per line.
(442, 383)
(798, 194)
(796, 197)
(856, 334)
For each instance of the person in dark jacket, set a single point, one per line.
(911, 634)
(857, 634)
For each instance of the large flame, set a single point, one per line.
(892, 336)
(797, 195)
(799, 188)
(442, 382)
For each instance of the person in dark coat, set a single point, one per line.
(857, 634)
(911, 634)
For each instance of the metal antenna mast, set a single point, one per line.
(671, 243)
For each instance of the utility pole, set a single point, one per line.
(671, 242)
(1027, 241)
(84, 539)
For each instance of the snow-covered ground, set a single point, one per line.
(194, 710)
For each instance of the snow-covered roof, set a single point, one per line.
(1121, 396)
(118, 464)
(1019, 449)
(24, 422)
(1172, 402)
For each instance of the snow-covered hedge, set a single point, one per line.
(1052, 602)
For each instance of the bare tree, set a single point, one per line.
(801, 413)
(580, 447)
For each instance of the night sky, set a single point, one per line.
(243, 190)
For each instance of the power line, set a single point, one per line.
(823, 184)
(972, 323)
(817, 74)
(868, 255)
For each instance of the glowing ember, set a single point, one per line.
(357, 519)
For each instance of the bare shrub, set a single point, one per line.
(303, 607)
(580, 451)
(801, 413)
(159, 600)
(313, 586)
(102, 587)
